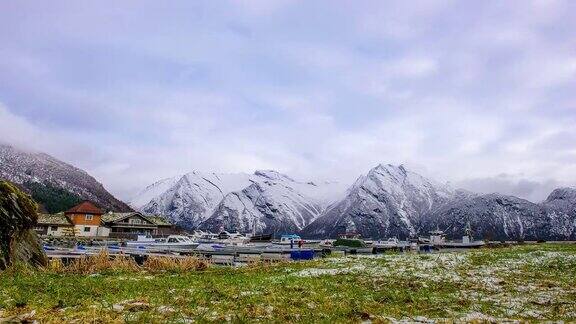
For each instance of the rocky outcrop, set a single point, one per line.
(18, 241)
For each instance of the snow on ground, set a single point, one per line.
(504, 283)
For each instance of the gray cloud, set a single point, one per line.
(530, 190)
(136, 91)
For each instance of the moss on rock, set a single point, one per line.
(18, 216)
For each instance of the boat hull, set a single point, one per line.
(165, 245)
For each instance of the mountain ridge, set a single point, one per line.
(386, 201)
(35, 171)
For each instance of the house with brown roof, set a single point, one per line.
(128, 225)
(87, 219)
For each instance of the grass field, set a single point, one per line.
(529, 282)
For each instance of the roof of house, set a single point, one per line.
(159, 220)
(53, 219)
(85, 207)
(112, 217)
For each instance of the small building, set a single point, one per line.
(87, 219)
(128, 225)
(54, 225)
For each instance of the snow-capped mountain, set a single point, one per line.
(263, 201)
(492, 216)
(392, 201)
(272, 203)
(502, 217)
(190, 199)
(42, 173)
(560, 213)
(388, 201)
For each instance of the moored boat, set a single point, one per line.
(391, 243)
(289, 239)
(172, 241)
(261, 238)
(438, 240)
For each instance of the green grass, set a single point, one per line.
(530, 282)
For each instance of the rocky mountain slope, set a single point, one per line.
(388, 201)
(560, 213)
(264, 201)
(190, 199)
(394, 202)
(492, 216)
(272, 203)
(44, 176)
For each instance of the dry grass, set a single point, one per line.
(105, 262)
(154, 264)
(530, 283)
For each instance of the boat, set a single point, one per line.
(206, 247)
(172, 241)
(327, 243)
(438, 240)
(261, 238)
(232, 238)
(391, 243)
(205, 237)
(289, 239)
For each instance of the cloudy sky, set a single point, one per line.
(478, 93)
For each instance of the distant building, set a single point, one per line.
(55, 225)
(128, 225)
(85, 219)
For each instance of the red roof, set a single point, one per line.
(85, 207)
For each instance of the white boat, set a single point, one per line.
(438, 239)
(391, 243)
(206, 238)
(172, 241)
(207, 247)
(328, 243)
(141, 240)
(289, 239)
(232, 238)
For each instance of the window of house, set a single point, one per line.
(88, 217)
(86, 229)
(135, 221)
(54, 228)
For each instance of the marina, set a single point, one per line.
(237, 250)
